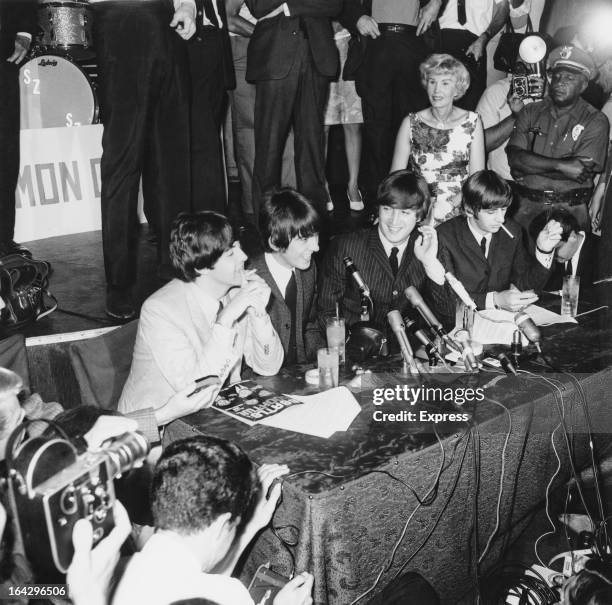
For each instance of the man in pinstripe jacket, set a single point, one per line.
(289, 226)
(389, 257)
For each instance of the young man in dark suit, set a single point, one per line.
(289, 226)
(575, 253)
(389, 256)
(291, 59)
(487, 253)
(17, 25)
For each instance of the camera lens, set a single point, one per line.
(127, 451)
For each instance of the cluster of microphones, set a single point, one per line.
(460, 342)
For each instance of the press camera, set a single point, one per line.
(52, 487)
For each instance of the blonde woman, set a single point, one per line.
(443, 143)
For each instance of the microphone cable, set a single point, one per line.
(501, 478)
(560, 411)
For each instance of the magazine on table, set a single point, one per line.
(251, 403)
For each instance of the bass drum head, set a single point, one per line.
(55, 93)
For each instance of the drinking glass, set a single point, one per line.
(569, 295)
(328, 362)
(336, 336)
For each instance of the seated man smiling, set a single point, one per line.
(289, 227)
(204, 322)
(390, 256)
(487, 253)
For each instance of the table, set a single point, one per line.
(349, 519)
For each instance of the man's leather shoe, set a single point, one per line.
(12, 247)
(119, 304)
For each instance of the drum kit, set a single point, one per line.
(56, 88)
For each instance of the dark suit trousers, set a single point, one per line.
(9, 147)
(297, 99)
(455, 42)
(208, 102)
(390, 88)
(144, 102)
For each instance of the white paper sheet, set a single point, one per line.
(496, 326)
(320, 415)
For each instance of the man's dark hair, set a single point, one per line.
(199, 478)
(197, 241)
(591, 585)
(405, 190)
(286, 214)
(566, 219)
(485, 190)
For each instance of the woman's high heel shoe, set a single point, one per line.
(356, 205)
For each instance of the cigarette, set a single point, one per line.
(508, 232)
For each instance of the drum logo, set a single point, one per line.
(47, 63)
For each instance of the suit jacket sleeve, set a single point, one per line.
(263, 350)
(352, 11)
(439, 298)
(297, 8)
(314, 8)
(527, 272)
(314, 336)
(25, 16)
(173, 352)
(332, 281)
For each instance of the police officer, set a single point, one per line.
(560, 143)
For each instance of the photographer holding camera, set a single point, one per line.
(208, 504)
(499, 107)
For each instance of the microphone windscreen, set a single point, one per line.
(414, 296)
(395, 320)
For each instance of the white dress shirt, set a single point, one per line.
(280, 273)
(166, 570)
(387, 245)
(478, 15)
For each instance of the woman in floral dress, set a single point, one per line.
(444, 143)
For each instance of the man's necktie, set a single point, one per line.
(569, 268)
(483, 246)
(393, 261)
(291, 302)
(210, 13)
(461, 11)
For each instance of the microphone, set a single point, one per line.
(469, 359)
(516, 348)
(352, 269)
(460, 290)
(397, 325)
(428, 343)
(527, 326)
(507, 364)
(416, 300)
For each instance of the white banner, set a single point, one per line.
(58, 191)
